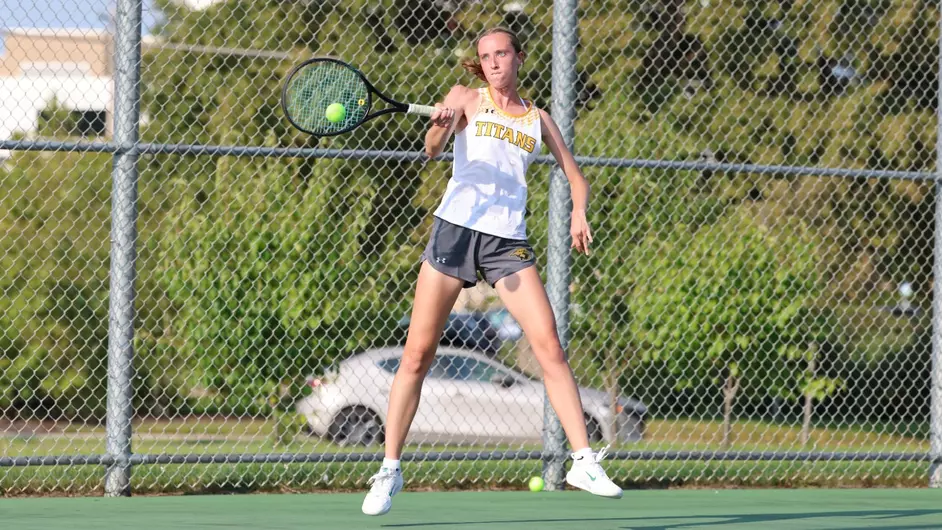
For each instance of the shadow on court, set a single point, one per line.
(871, 517)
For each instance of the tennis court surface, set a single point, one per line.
(663, 509)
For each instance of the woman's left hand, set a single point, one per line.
(579, 230)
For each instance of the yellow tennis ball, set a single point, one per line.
(536, 484)
(335, 113)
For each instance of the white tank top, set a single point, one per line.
(487, 191)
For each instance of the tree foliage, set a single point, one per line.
(252, 272)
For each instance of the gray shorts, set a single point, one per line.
(461, 253)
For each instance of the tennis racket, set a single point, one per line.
(319, 83)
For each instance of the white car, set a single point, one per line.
(467, 398)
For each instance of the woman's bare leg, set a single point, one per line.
(525, 298)
(435, 295)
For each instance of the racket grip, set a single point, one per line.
(421, 110)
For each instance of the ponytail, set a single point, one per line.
(474, 66)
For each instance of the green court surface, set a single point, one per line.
(662, 509)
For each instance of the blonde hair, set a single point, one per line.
(474, 65)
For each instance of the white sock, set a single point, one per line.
(389, 463)
(583, 454)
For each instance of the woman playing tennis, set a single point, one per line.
(480, 227)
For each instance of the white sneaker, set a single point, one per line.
(386, 483)
(586, 474)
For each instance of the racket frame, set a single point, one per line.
(395, 106)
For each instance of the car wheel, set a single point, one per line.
(356, 426)
(594, 430)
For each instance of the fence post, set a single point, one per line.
(565, 38)
(935, 396)
(127, 64)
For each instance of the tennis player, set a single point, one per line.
(480, 226)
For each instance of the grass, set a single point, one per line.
(254, 436)
(220, 435)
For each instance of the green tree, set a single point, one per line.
(266, 290)
(57, 121)
(56, 214)
(322, 245)
(731, 305)
(54, 282)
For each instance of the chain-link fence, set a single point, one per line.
(757, 308)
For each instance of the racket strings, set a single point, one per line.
(321, 84)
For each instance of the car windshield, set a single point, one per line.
(458, 368)
(390, 364)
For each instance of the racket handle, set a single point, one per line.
(421, 110)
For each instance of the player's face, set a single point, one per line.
(499, 60)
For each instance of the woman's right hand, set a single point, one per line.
(443, 116)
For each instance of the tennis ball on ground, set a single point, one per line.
(335, 112)
(536, 484)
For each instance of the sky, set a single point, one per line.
(85, 14)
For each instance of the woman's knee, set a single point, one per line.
(417, 360)
(549, 352)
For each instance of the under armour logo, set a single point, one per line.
(439, 260)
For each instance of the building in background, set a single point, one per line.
(197, 5)
(69, 66)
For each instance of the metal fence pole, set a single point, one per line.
(935, 396)
(123, 238)
(560, 204)
(935, 421)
